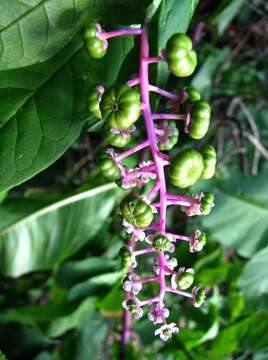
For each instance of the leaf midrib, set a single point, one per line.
(60, 204)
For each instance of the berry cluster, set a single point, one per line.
(144, 216)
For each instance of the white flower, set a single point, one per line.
(133, 307)
(166, 331)
(158, 315)
(195, 208)
(138, 235)
(132, 284)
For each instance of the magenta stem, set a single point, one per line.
(162, 92)
(179, 292)
(145, 169)
(126, 318)
(168, 116)
(143, 251)
(133, 82)
(121, 32)
(153, 60)
(133, 150)
(149, 301)
(179, 237)
(153, 191)
(147, 279)
(147, 114)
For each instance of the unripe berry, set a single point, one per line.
(210, 159)
(181, 59)
(186, 168)
(136, 212)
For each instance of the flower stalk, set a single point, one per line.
(144, 217)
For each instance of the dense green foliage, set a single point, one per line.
(60, 291)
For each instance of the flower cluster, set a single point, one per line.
(144, 217)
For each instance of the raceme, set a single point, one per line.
(144, 217)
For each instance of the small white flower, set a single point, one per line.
(195, 208)
(157, 315)
(166, 331)
(132, 284)
(138, 235)
(133, 307)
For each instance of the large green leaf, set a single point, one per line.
(46, 237)
(254, 280)
(93, 331)
(34, 31)
(174, 16)
(44, 107)
(239, 218)
(249, 333)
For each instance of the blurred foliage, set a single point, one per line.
(60, 288)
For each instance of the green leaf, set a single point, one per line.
(227, 11)
(2, 356)
(254, 280)
(248, 334)
(239, 218)
(111, 304)
(43, 239)
(44, 107)
(174, 16)
(39, 29)
(92, 285)
(73, 271)
(205, 75)
(72, 321)
(92, 333)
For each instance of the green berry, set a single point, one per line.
(136, 212)
(181, 59)
(125, 256)
(94, 98)
(200, 120)
(186, 168)
(115, 138)
(192, 93)
(199, 296)
(161, 243)
(96, 47)
(198, 243)
(210, 159)
(108, 167)
(207, 203)
(185, 279)
(120, 106)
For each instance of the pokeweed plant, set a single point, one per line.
(145, 216)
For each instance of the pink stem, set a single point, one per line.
(133, 150)
(179, 237)
(162, 92)
(133, 82)
(153, 60)
(148, 168)
(168, 116)
(143, 251)
(153, 191)
(126, 319)
(179, 292)
(149, 301)
(121, 32)
(147, 279)
(147, 114)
